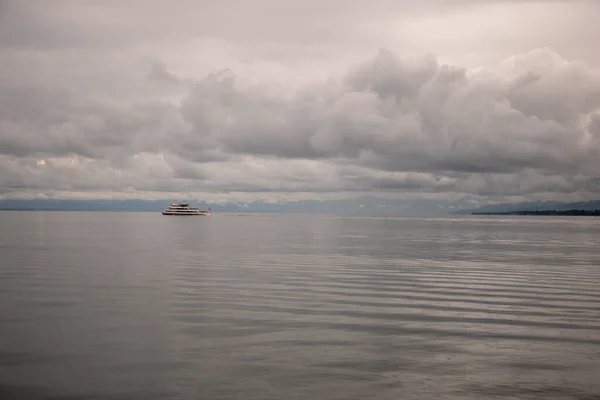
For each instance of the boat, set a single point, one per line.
(184, 209)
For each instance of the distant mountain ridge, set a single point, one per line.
(534, 206)
(361, 205)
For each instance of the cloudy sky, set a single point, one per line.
(288, 99)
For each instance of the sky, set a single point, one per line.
(281, 100)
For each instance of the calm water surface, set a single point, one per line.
(141, 306)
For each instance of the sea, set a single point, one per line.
(106, 306)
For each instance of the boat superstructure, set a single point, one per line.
(184, 209)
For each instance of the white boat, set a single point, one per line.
(184, 209)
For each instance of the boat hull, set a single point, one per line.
(195, 214)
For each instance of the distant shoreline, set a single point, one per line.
(574, 213)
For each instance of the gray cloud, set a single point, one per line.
(421, 118)
(387, 125)
(90, 102)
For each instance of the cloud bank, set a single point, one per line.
(104, 113)
(532, 124)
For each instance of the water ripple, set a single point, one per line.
(271, 307)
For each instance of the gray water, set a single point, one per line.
(141, 306)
